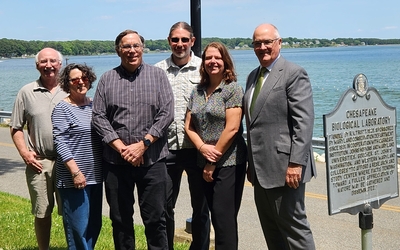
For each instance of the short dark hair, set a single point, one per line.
(124, 33)
(63, 77)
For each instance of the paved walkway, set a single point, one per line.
(339, 231)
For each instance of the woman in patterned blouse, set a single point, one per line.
(214, 125)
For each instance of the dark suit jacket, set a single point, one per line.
(281, 128)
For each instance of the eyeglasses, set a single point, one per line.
(77, 80)
(183, 39)
(267, 43)
(52, 61)
(128, 47)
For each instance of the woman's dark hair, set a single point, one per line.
(64, 79)
(229, 73)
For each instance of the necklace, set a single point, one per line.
(210, 88)
(210, 94)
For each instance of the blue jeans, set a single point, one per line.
(82, 215)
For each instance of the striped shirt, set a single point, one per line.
(183, 80)
(75, 138)
(129, 106)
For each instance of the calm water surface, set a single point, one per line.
(331, 71)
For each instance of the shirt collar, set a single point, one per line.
(126, 74)
(191, 63)
(219, 88)
(272, 64)
(38, 86)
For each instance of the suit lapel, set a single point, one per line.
(269, 84)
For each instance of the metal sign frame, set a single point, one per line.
(360, 150)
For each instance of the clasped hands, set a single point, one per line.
(133, 153)
(211, 154)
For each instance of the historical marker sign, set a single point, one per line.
(360, 150)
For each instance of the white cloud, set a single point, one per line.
(390, 28)
(106, 17)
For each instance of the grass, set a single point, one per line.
(16, 228)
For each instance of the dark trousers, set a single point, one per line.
(224, 196)
(177, 161)
(283, 217)
(151, 185)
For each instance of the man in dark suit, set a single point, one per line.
(279, 136)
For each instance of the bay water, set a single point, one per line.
(331, 71)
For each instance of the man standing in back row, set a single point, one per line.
(182, 69)
(279, 113)
(33, 107)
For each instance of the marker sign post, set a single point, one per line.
(360, 151)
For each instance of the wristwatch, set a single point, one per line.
(211, 163)
(146, 142)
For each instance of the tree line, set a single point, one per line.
(19, 48)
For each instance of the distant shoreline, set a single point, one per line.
(168, 51)
(20, 48)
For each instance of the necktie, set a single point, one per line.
(257, 88)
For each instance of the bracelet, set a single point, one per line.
(211, 163)
(201, 146)
(76, 173)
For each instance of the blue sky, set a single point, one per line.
(59, 20)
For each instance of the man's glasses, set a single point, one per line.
(183, 39)
(267, 43)
(128, 47)
(52, 61)
(77, 80)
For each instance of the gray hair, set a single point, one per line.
(60, 56)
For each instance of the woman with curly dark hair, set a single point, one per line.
(78, 169)
(214, 125)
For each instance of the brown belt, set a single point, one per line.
(39, 157)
